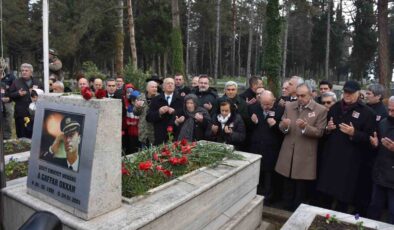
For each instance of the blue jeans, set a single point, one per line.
(381, 196)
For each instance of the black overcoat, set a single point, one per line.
(161, 122)
(266, 140)
(344, 155)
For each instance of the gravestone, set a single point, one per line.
(75, 161)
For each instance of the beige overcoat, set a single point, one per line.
(298, 154)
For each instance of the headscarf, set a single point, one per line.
(187, 130)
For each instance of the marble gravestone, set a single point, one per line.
(75, 161)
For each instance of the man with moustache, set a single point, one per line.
(303, 123)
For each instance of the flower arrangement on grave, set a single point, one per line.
(157, 165)
(331, 222)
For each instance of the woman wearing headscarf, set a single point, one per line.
(192, 124)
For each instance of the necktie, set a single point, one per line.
(168, 100)
(70, 167)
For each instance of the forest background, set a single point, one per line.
(316, 39)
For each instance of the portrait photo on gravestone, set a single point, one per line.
(61, 138)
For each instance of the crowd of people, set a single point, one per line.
(337, 153)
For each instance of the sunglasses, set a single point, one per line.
(326, 102)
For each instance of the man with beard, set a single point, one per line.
(347, 149)
(206, 95)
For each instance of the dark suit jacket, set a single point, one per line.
(161, 122)
(117, 94)
(22, 102)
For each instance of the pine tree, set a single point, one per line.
(272, 60)
(364, 39)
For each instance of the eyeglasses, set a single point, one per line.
(326, 102)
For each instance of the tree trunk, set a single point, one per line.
(239, 53)
(248, 75)
(383, 45)
(176, 40)
(188, 36)
(285, 36)
(132, 34)
(326, 72)
(165, 62)
(119, 40)
(234, 28)
(217, 39)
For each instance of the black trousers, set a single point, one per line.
(295, 192)
(20, 128)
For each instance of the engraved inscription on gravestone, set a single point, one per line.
(62, 151)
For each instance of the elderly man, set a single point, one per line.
(180, 87)
(231, 94)
(303, 123)
(347, 149)
(97, 84)
(374, 97)
(195, 81)
(58, 87)
(163, 111)
(383, 186)
(290, 91)
(250, 94)
(266, 139)
(83, 82)
(328, 99)
(142, 104)
(112, 91)
(67, 141)
(19, 92)
(206, 95)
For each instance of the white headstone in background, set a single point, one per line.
(75, 160)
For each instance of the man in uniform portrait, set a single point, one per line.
(67, 141)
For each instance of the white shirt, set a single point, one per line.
(168, 98)
(75, 165)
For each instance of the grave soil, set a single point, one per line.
(319, 223)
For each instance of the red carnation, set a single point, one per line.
(155, 156)
(327, 216)
(170, 129)
(159, 168)
(174, 160)
(184, 142)
(86, 93)
(125, 171)
(167, 172)
(145, 165)
(186, 149)
(100, 93)
(183, 160)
